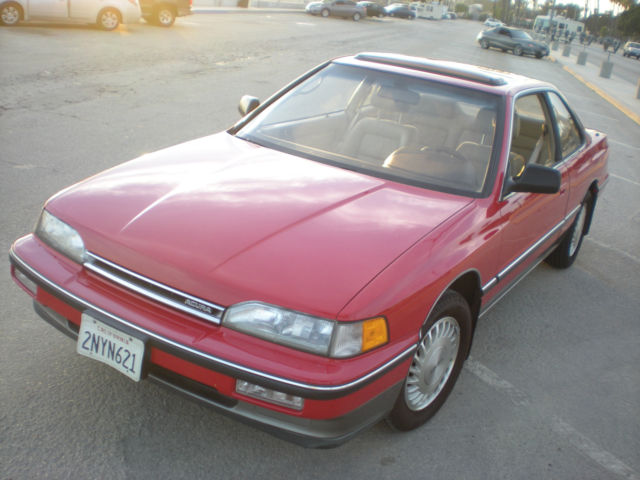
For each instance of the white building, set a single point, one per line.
(560, 24)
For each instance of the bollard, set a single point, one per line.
(582, 58)
(554, 45)
(607, 67)
(567, 50)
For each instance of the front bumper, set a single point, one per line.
(210, 379)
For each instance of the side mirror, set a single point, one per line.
(535, 179)
(247, 104)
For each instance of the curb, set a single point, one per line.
(606, 96)
(633, 116)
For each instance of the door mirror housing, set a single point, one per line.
(535, 179)
(247, 104)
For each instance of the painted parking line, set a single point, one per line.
(561, 428)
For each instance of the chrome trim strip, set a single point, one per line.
(213, 317)
(510, 287)
(490, 284)
(266, 376)
(523, 256)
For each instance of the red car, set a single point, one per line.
(322, 264)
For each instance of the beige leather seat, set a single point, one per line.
(373, 139)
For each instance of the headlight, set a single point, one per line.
(305, 332)
(60, 236)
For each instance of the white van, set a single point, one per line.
(108, 14)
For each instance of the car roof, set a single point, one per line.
(504, 27)
(471, 76)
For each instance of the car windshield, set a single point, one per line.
(392, 126)
(634, 45)
(520, 34)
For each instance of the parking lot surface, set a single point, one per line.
(551, 390)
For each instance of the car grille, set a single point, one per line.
(154, 290)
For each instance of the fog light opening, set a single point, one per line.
(268, 395)
(26, 282)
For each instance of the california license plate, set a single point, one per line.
(110, 346)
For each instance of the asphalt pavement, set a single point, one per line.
(618, 91)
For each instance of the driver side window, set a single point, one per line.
(532, 134)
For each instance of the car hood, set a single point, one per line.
(228, 221)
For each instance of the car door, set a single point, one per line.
(85, 9)
(530, 222)
(571, 140)
(48, 9)
(505, 40)
(339, 8)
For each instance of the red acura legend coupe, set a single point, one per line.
(321, 265)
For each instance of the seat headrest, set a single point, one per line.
(438, 107)
(396, 99)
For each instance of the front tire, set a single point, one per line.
(10, 14)
(444, 342)
(484, 44)
(567, 251)
(356, 17)
(164, 16)
(324, 13)
(108, 19)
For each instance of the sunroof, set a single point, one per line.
(442, 68)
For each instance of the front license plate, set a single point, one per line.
(108, 345)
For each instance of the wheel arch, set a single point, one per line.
(593, 190)
(468, 285)
(109, 7)
(168, 5)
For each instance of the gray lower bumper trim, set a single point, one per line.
(306, 432)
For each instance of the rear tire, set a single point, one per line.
(324, 13)
(517, 50)
(444, 342)
(10, 14)
(567, 251)
(356, 17)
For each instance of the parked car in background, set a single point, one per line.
(107, 14)
(512, 39)
(492, 22)
(337, 8)
(322, 264)
(631, 49)
(400, 10)
(164, 12)
(373, 9)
